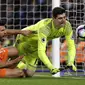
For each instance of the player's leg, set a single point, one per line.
(28, 49)
(6, 72)
(14, 73)
(29, 66)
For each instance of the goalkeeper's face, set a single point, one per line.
(60, 20)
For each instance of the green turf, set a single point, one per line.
(43, 79)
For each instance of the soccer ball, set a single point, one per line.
(80, 32)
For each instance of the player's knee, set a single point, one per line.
(31, 74)
(20, 73)
(28, 73)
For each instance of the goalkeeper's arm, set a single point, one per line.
(71, 51)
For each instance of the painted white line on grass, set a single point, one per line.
(64, 77)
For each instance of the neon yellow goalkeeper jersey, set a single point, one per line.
(43, 31)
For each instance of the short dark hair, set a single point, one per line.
(58, 10)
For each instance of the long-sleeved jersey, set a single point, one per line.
(43, 31)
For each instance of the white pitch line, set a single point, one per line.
(60, 77)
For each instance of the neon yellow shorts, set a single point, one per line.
(30, 53)
(28, 62)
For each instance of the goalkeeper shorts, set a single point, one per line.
(29, 62)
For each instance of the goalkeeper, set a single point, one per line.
(33, 46)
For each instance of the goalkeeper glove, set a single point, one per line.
(71, 66)
(54, 71)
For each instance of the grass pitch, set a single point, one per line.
(43, 79)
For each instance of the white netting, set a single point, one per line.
(75, 11)
(76, 15)
(20, 13)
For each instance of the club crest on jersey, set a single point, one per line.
(43, 39)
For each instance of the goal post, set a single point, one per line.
(56, 45)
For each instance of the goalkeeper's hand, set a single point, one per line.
(71, 66)
(54, 71)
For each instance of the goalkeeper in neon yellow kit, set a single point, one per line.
(33, 46)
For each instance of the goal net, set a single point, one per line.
(18, 14)
(76, 15)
